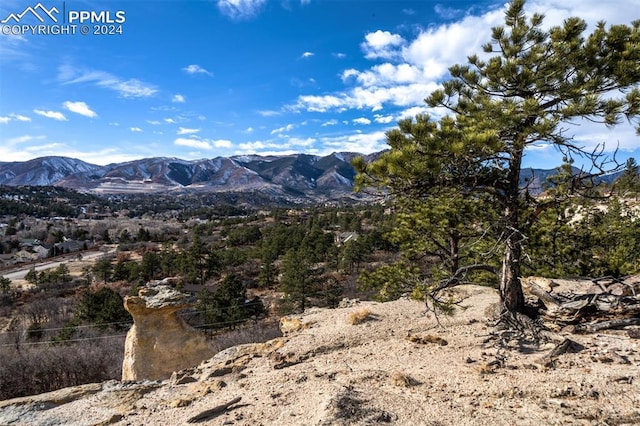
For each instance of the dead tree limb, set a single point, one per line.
(213, 412)
(605, 325)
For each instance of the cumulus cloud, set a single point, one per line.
(178, 98)
(361, 120)
(80, 108)
(239, 10)
(383, 119)
(196, 69)
(55, 115)
(307, 54)
(135, 129)
(381, 44)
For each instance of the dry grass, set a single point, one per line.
(359, 316)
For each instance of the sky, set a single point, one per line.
(201, 79)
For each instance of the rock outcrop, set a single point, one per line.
(160, 342)
(392, 368)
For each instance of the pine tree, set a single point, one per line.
(535, 82)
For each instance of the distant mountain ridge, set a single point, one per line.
(301, 176)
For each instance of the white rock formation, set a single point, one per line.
(160, 342)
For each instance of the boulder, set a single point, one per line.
(160, 342)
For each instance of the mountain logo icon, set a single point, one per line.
(39, 11)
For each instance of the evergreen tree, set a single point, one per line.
(536, 81)
(298, 280)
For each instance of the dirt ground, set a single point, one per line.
(395, 365)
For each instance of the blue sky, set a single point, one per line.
(200, 79)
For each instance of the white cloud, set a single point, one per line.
(222, 143)
(381, 44)
(339, 55)
(332, 122)
(248, 130)
(290, 143)
(364, 143)
(13, 116)
(366, 97)
(301, 142)
(361, 120)
(388, 74)
(268, 113)
(80, 108)
(240, 9)
(55, 115)
(136, 129)
(178, 98)
(170, 120)
(23, 139)
(307, 54)
(186, 131)
(131, 88)
(196, 69)
(193, 143)
(413, 111)
(323, 103)
(286, 128)
(154, 122)
(383, 119)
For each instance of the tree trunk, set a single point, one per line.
(510, 287)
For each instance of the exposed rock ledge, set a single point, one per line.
(160, 342)
(391, 367)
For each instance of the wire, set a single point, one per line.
(61, 341)
(184, 313)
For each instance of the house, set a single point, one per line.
(70, 246)
(7, 260)
(25, 256)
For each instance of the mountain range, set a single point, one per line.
(301, 177)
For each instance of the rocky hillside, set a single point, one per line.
(371, 363)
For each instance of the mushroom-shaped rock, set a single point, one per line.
(160, 342)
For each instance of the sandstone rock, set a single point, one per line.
(160, 342)
(290, 325)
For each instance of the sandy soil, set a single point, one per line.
(335, 373)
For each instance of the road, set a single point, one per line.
(19, 273)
